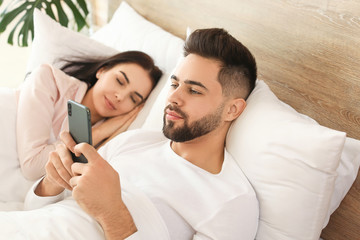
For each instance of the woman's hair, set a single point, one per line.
(237, 74)
(85, 69)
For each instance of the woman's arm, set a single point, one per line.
(34, 121)
(41, 109)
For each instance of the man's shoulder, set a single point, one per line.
(133, 139)
(142, 136)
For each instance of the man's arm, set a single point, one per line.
(96, 188)
(119, 224)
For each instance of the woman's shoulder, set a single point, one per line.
(59, 78)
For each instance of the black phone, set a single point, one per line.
(79, 126)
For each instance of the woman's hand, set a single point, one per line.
(113, 126)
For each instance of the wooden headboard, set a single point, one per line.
(308, 52)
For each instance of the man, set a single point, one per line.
(194, 185)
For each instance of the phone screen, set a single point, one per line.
(79, 125)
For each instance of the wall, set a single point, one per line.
(13, 59)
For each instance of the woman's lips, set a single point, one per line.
(109, 104)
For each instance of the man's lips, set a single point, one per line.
(172, 115)
(109, 104)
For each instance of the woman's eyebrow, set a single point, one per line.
(140, 96)
(125, 76)
(127, 80)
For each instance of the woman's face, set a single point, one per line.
(120, 89)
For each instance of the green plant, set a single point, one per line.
(25, 10)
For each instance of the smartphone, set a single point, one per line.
(79, 126)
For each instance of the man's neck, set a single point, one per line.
(206, 152)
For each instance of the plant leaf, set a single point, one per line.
(11, 35)
(26, 28)
(49, 10)
(25, 9)
(80, 20)
(63, 19)
(83, 6)
(8, 17)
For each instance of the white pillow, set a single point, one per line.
(291, 162)
(347, 172)
(298, 135)
(128, 30)
(53, 41)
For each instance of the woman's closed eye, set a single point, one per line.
(135, 99)
(120, 81)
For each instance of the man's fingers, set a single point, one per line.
(78, 169)
(67, 139)
(88, 151)
(65, 156)
(54, 171)
(74, 181)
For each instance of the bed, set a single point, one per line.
(308, 54)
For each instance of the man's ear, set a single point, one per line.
(234, 108)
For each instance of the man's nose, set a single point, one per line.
(176, 96)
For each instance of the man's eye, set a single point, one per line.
(192, 91)
(173, 85)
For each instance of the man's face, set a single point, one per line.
(195, 102)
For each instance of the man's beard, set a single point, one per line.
(191, 131)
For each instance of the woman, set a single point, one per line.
(113, 89)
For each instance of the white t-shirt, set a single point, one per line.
(191, 200)
(193, 203)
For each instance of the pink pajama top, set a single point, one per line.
(42, 115)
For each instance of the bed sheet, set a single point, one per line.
(13, 186)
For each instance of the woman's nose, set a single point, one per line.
(119, 96)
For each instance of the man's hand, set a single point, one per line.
(96, 188)
(58, 168)
(58, 172)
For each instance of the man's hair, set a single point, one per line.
(237, 73)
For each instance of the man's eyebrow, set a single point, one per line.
(174, 77)
(125, 76)
(191, 82)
